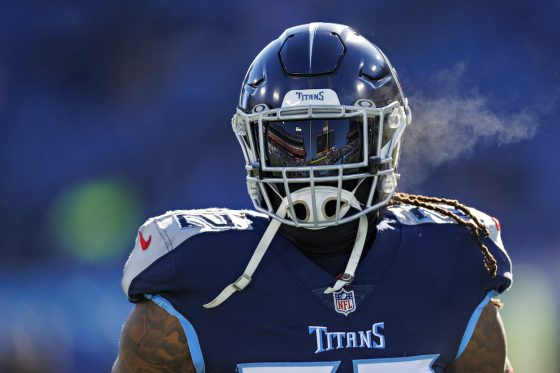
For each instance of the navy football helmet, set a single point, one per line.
(320, 120)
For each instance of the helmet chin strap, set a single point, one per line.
(349, 273)
(244, 280)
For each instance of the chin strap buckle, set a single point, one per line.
(348, 277)
(242, 282)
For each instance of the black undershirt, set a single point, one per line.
(330, 248)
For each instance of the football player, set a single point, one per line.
(335, 271)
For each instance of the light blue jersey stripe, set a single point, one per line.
(473, 321)
(192, 338)
(291, 367)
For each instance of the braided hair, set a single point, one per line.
(477, 228)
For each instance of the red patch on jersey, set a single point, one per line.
(498, 226)
(143, 243)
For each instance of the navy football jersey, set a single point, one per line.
(412, 307)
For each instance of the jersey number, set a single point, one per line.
(208, 221)
(412, 364)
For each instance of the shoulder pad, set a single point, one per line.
(160, 235)
(415, 215)
(493, 226)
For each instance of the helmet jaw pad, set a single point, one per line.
(314, 201)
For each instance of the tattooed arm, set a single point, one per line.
(486, 351)
(152, 341)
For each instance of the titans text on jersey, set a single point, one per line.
(372, 338)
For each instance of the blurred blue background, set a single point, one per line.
(112, 112)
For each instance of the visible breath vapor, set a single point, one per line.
(450, 122)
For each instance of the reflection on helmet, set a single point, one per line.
(313, 142)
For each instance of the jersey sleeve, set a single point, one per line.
(504, 274)
(490, 286)
(150, 268)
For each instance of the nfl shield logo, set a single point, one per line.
(344, 301)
